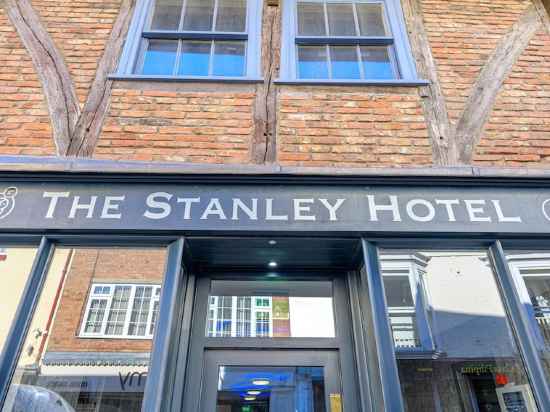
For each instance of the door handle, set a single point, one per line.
(335, 402)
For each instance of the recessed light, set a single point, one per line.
(249, 398)
(272, 275)
(253, 393)
(272, 242)
(272, 264)
(261, 382)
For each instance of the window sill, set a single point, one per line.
(333, 82)
(178, 79)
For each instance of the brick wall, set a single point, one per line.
(101, 265)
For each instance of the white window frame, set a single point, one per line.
(402, 58)
(141, 19)
(109, 298)
(531, 261)
(413, 267)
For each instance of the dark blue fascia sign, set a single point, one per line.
(105, 206)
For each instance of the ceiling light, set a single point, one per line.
(272, 264)
(261, 382)
(253, 393)
(249, 398)
(272, 242)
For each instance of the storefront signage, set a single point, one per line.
(273, 208)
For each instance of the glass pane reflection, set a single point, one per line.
(91, 334)
(240, 309)
(264, 389)
(455, 347)
(159, 57)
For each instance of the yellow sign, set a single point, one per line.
(335, 402)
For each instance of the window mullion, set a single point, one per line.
(182, 15)
(329, 61)
(360, 61)
(108, 310)
(215, 15)
(129, 311)
(211, 59)
(179, 52)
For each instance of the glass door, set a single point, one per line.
(278, 344)
(263, 381)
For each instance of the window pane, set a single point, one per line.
(344, 61)
(198, 15)
(166, 15)
(286, 309)
(465, 352)
(228, 59)
(398, 291)
(340, 19)
(278, 389)
(231, 16)
(312, 62)
(376, 62)
(160, 57)
(195, 58)
(61, 367)
(531, 270)
(15, 267)
(371, 19)
(311, 19)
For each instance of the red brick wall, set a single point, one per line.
(101, 265)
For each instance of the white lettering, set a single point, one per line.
(420, 202)
(188, 203)
(269, 211)
(252, 213)
(544, 212)
(214, 208)
(300, 209)
(54, 197)
(392, 207)
(332, 209)
(109, 207)
(473, 211)
(500, 214)
(448, 203)
(89, 207)
(155, 204)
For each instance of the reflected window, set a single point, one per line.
(15, 266)
(256, 309)
(344, 40)
(263, 389)
(199, 38)
(475, 359)
(89, 341)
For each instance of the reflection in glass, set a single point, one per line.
(231, 16)
(159, 57)
(371, 19)
(465, 352)
(344, 62)
(311, 19)
(263, 389)
(198, 15)
(312, 62)
(90, 337)
(228, 59)
(257, 309)
(340, 19)
(166, 15)
(376, 62)
(15, 267)
(195, 58)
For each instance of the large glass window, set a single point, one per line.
(196, 38)
(15, 267)
(243, 309)
(475, 364)
(346, 40)
(531, 271)
(89, 342)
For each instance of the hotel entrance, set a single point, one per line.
(271, 327)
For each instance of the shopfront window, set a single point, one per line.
(90, 338)
(295, 309)
(15, 267)
(475, 363)
(531, 272)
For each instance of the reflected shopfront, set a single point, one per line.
(257, 300)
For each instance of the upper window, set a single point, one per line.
(357, 40)
(194, 39)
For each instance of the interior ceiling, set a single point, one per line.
(287, 253)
